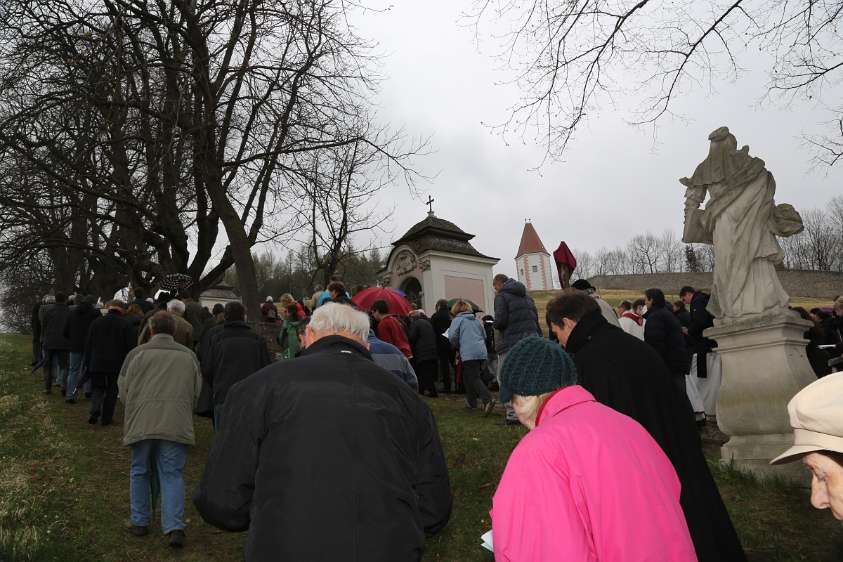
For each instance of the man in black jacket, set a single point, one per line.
(664, 333)
(232, 353)
(422, 340)
(516, 318)
(628, 375)
(110, 339)
(76, 331)
(327, 457)
(701, 320)
(56, 346)
(441, 321)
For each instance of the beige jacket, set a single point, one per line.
(159, 386)
(184, 332)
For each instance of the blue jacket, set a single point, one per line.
(468, 337)
(388, 357)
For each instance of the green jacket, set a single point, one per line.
(159, 386)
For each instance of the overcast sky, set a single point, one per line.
(617, 181)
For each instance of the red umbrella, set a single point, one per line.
(397, 303)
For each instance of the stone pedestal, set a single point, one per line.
(764, 365)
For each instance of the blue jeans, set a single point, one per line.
(73, 374)
(168, 457)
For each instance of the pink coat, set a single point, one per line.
(588, 484)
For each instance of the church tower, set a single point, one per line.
(533, 263)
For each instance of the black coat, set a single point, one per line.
(327, 457)
(35, 322)
(52, 327)
(110, 338)
(515, 315)
(441, 321)
(233, 352)
(664, 333)
(628, 375)
(77, 324)
(422, 340)
(701, 319)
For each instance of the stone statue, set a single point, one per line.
(742, 221)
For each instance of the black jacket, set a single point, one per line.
(664, 333)
(628, 375)
(422, 340)
(52, 327)
(327, 457)
(35, 322)
(441, 321)
(77, 324)
(109, 341)
(233, 352)
(701, 319)
(515, 315)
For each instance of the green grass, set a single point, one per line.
(64, 487)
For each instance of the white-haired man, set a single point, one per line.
(184, 329)
(328, 456)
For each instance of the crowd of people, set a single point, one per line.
(331, 425)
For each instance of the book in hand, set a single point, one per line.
(487, 541)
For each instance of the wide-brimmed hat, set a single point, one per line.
(816, 416)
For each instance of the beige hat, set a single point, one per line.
(816, 415)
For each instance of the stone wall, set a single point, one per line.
(818, 284)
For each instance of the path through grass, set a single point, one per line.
(64, 487)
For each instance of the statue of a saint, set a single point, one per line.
(742, 221)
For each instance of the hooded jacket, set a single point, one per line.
(468, 336)
(327, 457)
(628, 375)
(516, 316)
(562, 497)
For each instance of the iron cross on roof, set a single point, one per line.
(429, 203)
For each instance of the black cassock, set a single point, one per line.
(628, 375)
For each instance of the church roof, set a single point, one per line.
(530, 242)
(440, 235)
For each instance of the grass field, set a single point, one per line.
(64, 487)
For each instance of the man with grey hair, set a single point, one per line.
(184, 329)
(327, 456)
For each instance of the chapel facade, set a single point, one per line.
(435, 260)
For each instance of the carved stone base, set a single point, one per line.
(764, 365)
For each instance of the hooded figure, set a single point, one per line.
(741, 220)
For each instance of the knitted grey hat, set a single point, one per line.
(535, 366)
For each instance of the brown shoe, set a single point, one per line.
(138, 531)
(177, 539)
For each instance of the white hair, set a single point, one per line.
(333, 318)
(176, 306)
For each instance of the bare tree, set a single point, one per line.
(671, 252)
(573, 57)
(645, 253)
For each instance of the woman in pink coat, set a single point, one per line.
(587, 483)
